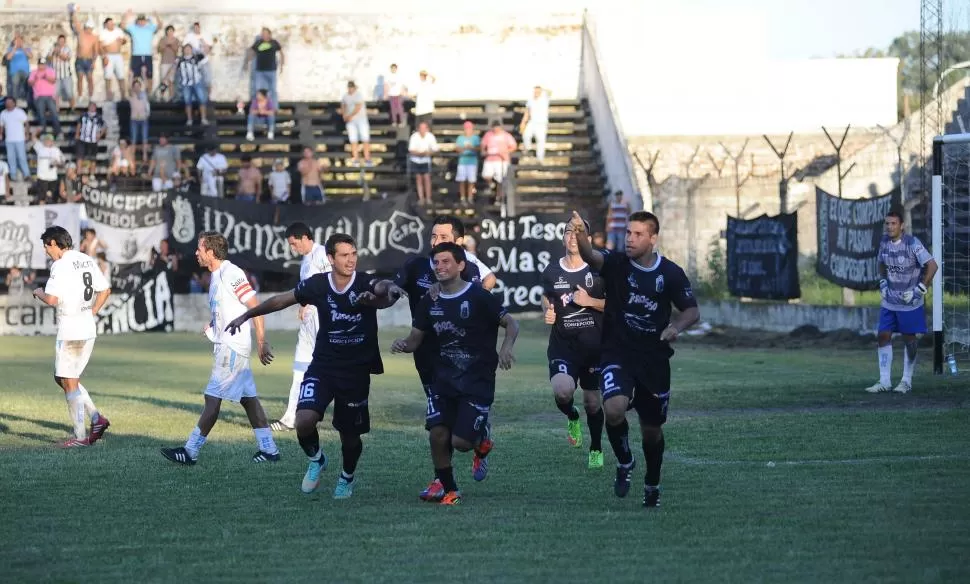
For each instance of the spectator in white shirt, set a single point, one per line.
(212, 168)
(111, 39)
(279, 182)
(353, 108)
(535, 122)
(395, 92)
(424, 102)
(49, 159)
(13, 131)
(420, 148)
(4, 183)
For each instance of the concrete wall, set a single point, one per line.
(787, 317)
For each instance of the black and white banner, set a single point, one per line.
(849, 231)
(129, 223)
(385, 232)
(762, 257)
(518, 250)
(21, 228)
(147, 306)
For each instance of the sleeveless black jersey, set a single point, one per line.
(347, 338)
(639, 300)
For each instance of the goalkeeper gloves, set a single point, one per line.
(883, 288)
(914, 294)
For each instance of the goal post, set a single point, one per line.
(950, 240)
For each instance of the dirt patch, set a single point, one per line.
(803, 337)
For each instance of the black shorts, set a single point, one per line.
(645, 380)
(138, 62)
(348, 390)
(574, 358)
(87, 150)
(420, 167)
(465, 417)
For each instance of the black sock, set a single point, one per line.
(653, 452)
(351, 450)
(595, 422)
(447, 478)
(309, 441)
(569, 409)
(619, 440)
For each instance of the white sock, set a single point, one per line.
(316, 457)
(195, 442)
(75, 410)
(89, 406)
(289, 416)
(909, 362)
(885, 364)
(264, 440)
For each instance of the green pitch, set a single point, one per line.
(863, 487)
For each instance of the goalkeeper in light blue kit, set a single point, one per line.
(903, 284)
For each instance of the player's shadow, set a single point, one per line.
(43, 438)
(230, 413)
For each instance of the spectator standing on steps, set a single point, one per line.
(88, 48)
(90, 130)
(212, 168)
(111, 39)
(142, 34)
(467, 145)
(49, 159)
(13, 131)
(59, 58)
(353, 108)
(166, 163)
(424, 101)
(497, 147)
(192, 83)
(535, 122)
(140, 112)
(42, 83)
(18, 56)
(169, 48)
(395, 92)
(202, 44)
(420, 147)
(279, 183)
(310, 181)
(617, 215)
(250, 184)
(264, 52)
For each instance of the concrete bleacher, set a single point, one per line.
(68, 118)
(571, 168)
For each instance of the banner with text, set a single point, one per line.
(129, 223)
(518, 250)
(21, 228)
(849, 231)
(762, 257)
(385, 232)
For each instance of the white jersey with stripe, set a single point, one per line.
(313, 263)
(76, 281)
(483, 270)
(229, 290)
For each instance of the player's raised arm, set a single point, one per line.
(586, 251)
(269, 306)
(410, 343)
(505, 355)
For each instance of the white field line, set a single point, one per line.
(692, 461)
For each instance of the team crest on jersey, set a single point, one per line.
(436, 310)
(353, 297)
(589, 279)
(425, 281)
(561, 284)
(632, 282)
(464, 311)
(659, 286)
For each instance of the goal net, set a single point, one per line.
(950, 222)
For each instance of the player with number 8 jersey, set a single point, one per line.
(77, 289)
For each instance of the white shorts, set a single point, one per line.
(306, 339)
(467, 173)
(495, 170)
(159, 184)
(115, 69)
(358, 130)
(71, 357)
(232, 378)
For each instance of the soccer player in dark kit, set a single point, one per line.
(574, 307)
(640, 285)
(345, 355)
(465, 318)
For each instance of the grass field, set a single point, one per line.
(863, 488)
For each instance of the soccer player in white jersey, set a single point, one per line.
(315, 261)
(906, 269)
(230, 294)
(78, 290)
